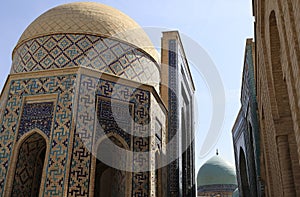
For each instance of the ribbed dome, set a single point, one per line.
(90, 19)
(216, 171)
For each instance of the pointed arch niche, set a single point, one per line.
(28, 169)
(108, 181)
(284, 131)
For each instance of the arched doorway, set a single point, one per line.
(110, 182)
(244, 175)
(29, 166)
(103, 180)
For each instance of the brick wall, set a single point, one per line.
(277, 36)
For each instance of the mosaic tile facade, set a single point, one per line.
(179, 99)
(158, 144)
(173, 170)
(60, 132)
(84, 103)
(70, 50)
(110, 122)
(137, 102)
(81, 159)
(140, 100)
(79, 177)
(245, 131)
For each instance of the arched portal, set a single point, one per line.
(110, 182)
(244, 174)
(29, 166)
(278, 79)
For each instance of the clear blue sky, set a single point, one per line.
(219, 26)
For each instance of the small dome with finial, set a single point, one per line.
(216, 175)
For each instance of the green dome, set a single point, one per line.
(216, 171)
(235, 193)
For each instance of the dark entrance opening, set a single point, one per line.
(110, 182)
(29, 167)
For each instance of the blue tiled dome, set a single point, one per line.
(216, 171)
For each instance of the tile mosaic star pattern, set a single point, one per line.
(70, 50)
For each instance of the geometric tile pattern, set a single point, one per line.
(29, 166)
(81, 158)
(60, 132)
(36, 115)
(89, 18)
(141, 100)
(70, 50)
(158, 143)
(109, 122)
(62, 51)
(173, 170)
(121, 95)
(80, 168)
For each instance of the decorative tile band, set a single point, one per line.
(217, 188)
(71, 50)
(173, 170)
